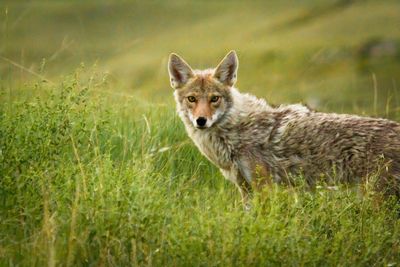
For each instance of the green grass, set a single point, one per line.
(96, 168)
(83, 185)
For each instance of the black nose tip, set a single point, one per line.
(201, 121)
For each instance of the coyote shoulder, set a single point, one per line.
(253, 143)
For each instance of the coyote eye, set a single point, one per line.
(214, 98)
(191, 99)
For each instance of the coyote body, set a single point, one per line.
(254, 143)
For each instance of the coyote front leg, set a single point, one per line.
(244, 187)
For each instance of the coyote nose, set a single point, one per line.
(201, 121)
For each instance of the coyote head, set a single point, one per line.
(203, 97)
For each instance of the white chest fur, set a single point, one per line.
(214, 147)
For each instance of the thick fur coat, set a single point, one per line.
(254, 143)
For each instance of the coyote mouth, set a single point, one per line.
(201, 127)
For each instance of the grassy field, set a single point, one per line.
(95, 166)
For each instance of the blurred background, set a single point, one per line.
(341, 56)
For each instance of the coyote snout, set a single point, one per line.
(201, 122)
(252, 142)
(204, 111)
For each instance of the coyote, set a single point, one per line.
(254, 144)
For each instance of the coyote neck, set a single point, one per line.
(216, 145)
(225, 144)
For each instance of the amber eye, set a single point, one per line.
(214, 98)
(191, 99)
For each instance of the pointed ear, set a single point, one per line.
(226, 71)
(179, 71)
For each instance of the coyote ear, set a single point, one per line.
(226, 71)
(179, 71)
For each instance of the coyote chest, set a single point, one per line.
(216, 148)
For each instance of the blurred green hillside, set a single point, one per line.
(324, 53)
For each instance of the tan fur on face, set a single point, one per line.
(203, 87)
(202, 107)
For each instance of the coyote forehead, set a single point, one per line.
(201, 84)
(252, 142)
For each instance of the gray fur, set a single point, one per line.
(293, 140)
